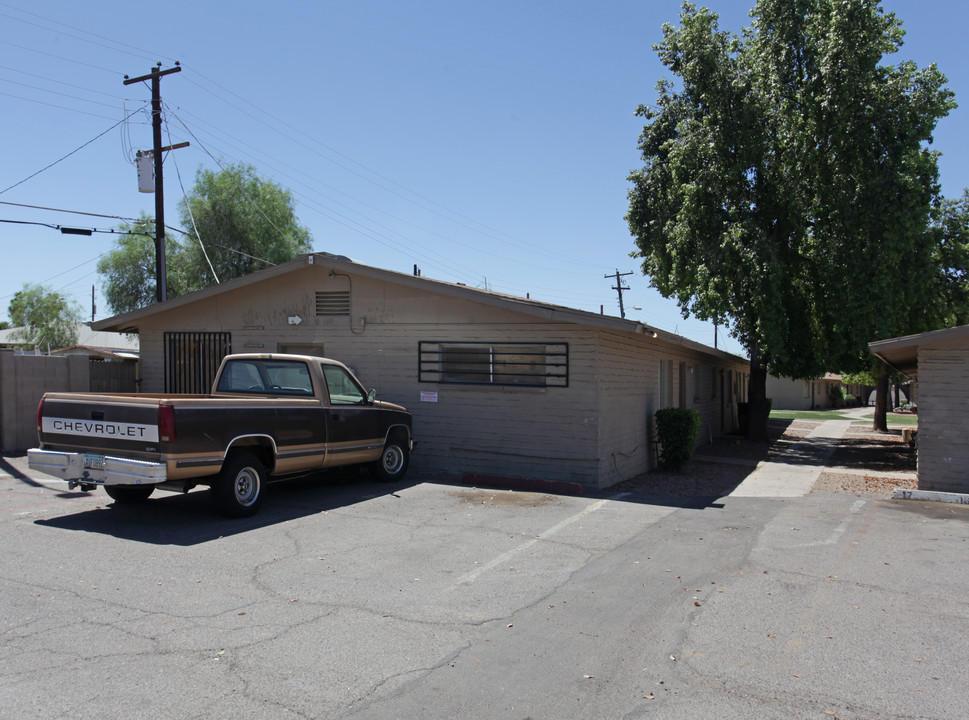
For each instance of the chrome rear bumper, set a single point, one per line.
(89, 468)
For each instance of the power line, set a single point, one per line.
(57, 82)
(70, 230)
(85, 34)
(455, 216)
(69, 212)
(60, 57)
(312, 201)
(59, 107)
(72, 152)
(54, 92)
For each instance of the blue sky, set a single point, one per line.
(487, 143)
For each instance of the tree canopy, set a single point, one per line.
(44, 318)
(950, 255)
(234, 224)
(245, 224)
(128, 271)
(787, 184)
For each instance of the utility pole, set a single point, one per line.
(161, 271)
(619, 288)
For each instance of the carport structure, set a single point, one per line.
(939, 361)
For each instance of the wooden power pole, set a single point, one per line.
(161, 271)
(619, 288)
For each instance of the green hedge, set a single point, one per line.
(677, 430)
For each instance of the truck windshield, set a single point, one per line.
(266, 377)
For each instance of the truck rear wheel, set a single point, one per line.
(129, 494)
(239, 488)
(393, 460)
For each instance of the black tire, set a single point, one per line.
(239, 488)
(393, 461)
(129, 494)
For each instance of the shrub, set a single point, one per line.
(677, 430)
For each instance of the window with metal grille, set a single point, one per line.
(482, 363)
(193, 358)
(333, 303)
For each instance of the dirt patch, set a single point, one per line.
(486, 497)
(873, 452)
(698, 479)
(865, 463)
(862, 484)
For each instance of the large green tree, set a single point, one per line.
(45, 319)
(943, 285)
(239, 223)
(787, 186)
(234, 223)
(950, 255)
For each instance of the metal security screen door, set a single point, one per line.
(192, 359)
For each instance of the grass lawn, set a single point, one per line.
(893, 419)
(808, 415)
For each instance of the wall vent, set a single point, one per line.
(334, 303)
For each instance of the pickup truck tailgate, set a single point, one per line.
(103, 423)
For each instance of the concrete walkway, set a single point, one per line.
(793, 473)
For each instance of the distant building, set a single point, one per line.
(788, 394)
(94, 343)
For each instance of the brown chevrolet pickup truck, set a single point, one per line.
(268, 416)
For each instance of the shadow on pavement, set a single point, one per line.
(189, 519)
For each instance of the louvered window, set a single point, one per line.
(335, 303)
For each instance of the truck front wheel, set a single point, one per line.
(129, 494)
(393, 460)
(238, 489)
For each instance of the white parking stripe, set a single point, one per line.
(507, 556)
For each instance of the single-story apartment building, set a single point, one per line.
(789, 394)
(498, 385)
(940, 361)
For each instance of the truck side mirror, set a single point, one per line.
(371, 396)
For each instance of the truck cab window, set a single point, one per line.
(240, 377)
(343, 390)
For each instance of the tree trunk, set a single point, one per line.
(880, 423)
(757, 411)
(898, 400)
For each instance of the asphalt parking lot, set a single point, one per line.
(345, 598)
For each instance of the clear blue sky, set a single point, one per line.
(487, 143)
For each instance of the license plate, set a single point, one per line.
(94, 462)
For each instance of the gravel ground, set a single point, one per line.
(866, 463)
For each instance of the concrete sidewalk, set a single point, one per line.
(794, 473)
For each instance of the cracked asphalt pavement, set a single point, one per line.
(349, 599)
